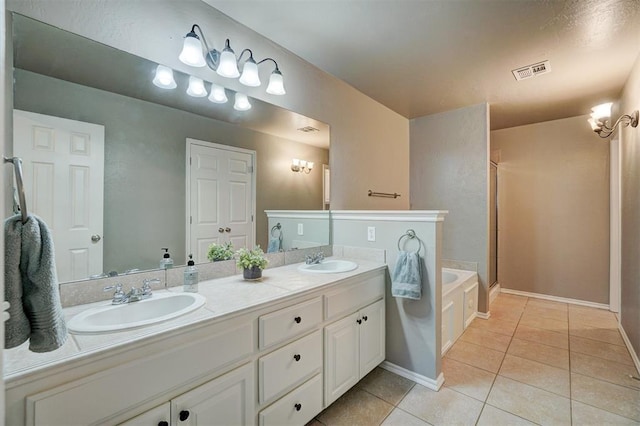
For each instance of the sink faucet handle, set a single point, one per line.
(146, 285)
(118, 296)
(117, 287)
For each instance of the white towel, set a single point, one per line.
(31, 286)
(406, 280)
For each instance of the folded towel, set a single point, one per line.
(275, 245)
(31, 286)
(406, 280)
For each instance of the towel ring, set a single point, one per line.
(277, 227)
(411, 234)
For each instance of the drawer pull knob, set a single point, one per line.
(163, 423)
(298, 406)
(297, 320)
(359, 321)
(365, 318)
(297, 357)
(184, 415)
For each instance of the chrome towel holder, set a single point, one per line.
(17, 167)
(277, 227)
(411, 235)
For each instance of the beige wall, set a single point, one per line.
(366, 137)
(449, 171)
(553, 209)
(630, 221)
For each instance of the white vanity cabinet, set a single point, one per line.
(354, 346)
(159, 416)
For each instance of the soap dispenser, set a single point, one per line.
(191, 277)
(166, 262)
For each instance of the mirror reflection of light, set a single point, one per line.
(196, 87)
(242, 102)
(218, 95)
(164, 78)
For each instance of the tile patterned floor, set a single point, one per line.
(532, 362)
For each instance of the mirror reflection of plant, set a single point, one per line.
(250, 258)
(220, 252)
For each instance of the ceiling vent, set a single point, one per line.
(532, 70)
(308, 129)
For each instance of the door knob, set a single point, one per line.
(227, 229)
(95, 238)
(221, 230)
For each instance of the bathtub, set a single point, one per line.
(459, 303)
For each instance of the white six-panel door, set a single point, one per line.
(63, 166)
(220, 197)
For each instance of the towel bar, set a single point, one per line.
(383, 194)
(17, 167)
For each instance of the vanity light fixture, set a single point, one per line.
(301, 166)
(226, 64)
(164, 78)
(242, 102)
(218, 94)
(600, 120)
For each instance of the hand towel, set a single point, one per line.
(406, 280)
(31, 286)
(275, 244)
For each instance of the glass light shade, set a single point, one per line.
(601, 111)
(276, 83)
(218, 95)
(164, 78)
(242, 102)
(192, 51)
(250, 75)
(196, 87)
(228, 66)
(310, 165)
(595, 125)
(295, 162)
(303, 164)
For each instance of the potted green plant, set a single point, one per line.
(219, 252)
(252, 262)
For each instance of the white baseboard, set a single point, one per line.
(627, 342)
(555, 298)
(418, 378)
(495, 291)
(483, 315)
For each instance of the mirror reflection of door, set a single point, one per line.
(220, 197)
(63, 167)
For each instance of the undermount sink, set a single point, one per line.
(160, 307)
(331, 266)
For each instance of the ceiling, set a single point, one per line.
(420, 57)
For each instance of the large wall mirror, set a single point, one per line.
(145, 195)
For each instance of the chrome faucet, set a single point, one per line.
(314, 258)
(134, 295)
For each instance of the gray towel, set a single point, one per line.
(406, 280)
(275, 244)
(31, 286)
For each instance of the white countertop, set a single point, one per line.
(225, 297)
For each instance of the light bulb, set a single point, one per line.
(242, 102)
(250, 76)
(601, 111)
(192, 51)
(164, 78)
(196, 87)
(218, 95)
(228, 66)
(276, 83)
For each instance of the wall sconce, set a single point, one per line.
(301, 166)
(599, 121)
(226, 64)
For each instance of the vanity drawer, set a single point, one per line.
(297, 407)
(350, 299)
(289, 365)
(288, 322)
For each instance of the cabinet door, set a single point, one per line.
(228, 400)
(153, 417)
(372, 331)
(342, 354)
